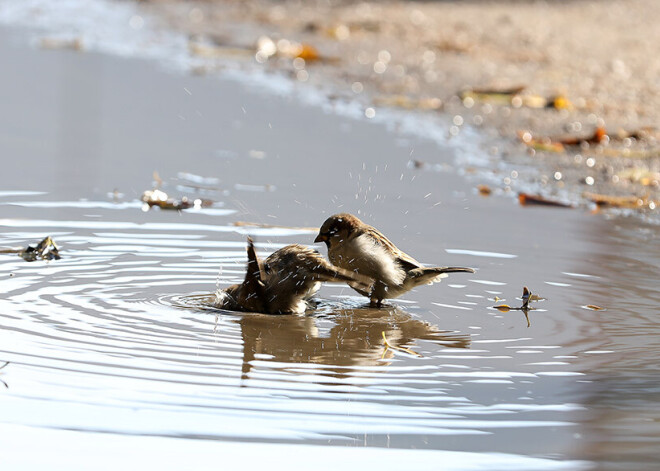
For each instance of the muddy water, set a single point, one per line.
(114, 346)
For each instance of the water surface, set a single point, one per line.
(115, 341)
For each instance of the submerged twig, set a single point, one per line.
(401, 349)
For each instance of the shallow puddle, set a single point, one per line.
(118, 336)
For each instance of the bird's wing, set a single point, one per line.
(402, 258)
(322, 270)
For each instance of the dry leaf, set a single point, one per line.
(403, 101)
(560, 102)
(503, 307)
(532, 101)
(627, 202)
(484, 190)
(599, 135)
(640, 175)
(45, 250)
(594, 307)
(540, 144)
(526, 199)
(160, 199)
(308, 53)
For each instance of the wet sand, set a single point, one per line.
(104, 342)
(601, 58)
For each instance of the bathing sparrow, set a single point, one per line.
(358, 247)
(293, 274)
(283, 282)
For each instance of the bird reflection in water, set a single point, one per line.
(355, 339)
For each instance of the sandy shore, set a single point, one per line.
(575, 68)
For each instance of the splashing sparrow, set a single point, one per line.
(294, 273)
(283, 282)
(358, 247)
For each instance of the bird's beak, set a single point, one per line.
(321, 238)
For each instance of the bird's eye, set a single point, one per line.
(266, 268)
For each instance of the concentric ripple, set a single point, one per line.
(122, 335)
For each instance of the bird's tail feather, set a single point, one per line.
(429, 275)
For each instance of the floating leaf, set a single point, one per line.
(593, 307)
(45, 250)
(503, 307)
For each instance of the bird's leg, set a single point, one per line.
(377, 294)
(374, 302)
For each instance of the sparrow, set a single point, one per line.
(284, 282)
(293, 274)
(358, 247)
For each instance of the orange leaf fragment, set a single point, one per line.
(484, 190)
(503, 307)
(308, 53)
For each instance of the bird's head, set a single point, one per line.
(338, 228)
